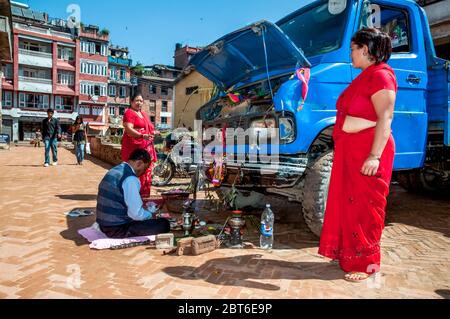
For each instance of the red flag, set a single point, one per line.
(304, 74)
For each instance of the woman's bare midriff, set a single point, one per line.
(356, 124)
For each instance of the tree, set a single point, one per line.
(138, 69)
(104, 31)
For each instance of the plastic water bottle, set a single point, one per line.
(267, 220)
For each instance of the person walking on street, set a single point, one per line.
(79, 138)
(37, 140)
(51, 132)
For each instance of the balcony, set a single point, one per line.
(93, 33)
(5, 36)
(35, 84)
(34, 58)
(163, 126)
(125, 81)
(120, 61)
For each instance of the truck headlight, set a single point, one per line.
(287, 130)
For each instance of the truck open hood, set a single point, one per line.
(240, 55)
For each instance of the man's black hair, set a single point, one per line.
(50, 110)
(140, 155)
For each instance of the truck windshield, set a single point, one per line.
(314, 29)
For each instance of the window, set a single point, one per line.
(123, 74)
(112, 73)
(327, 34)
(112, 90)
(36, 73)
(97, 110)
(152, 106)
(93, 68)
(7, 98)
(7, 70)
(163, 120)
(104, 50)
(64, 103)
(93, 89)
(152, 119)
(123, 91)
(192, 90)
(21, 99)
(84, 110)
(152, 88)
(34, 46)
(164, 90)
(36, 101)
(121, 110)
(112, 111)
(65, 53)
(85, 47)
(395, 23)
(65, 78)
(164, 106)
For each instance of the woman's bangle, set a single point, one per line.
(375, 157)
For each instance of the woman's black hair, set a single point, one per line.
(378, 43)
(78, 117)
(135, 95)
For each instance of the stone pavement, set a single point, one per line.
(42, 256)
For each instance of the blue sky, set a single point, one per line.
(150, 28)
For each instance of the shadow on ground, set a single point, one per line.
(78, 197)
(425, 211)
(445, 293)
(75, 224)
(243, 271)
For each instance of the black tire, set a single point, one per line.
(162, 173)
(315, 192)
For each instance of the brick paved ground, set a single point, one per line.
(41, 253)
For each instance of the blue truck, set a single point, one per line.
(259, 62)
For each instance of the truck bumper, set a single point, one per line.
(283, 174)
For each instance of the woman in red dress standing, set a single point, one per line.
(363, 160)
(139, 133)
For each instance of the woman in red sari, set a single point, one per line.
(363, 160)
(139, 133)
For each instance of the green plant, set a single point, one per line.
(138, 69)
(104, 31)
(230, 198)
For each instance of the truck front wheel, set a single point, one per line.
(315, 192)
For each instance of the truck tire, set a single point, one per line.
(315, 192)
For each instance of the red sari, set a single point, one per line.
(129, 144)
(355, 211)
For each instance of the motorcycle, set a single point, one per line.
(177, 158)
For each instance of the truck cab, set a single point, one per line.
(254, 69)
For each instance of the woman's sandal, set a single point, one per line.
(360, 276)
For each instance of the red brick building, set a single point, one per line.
(41, 74)
(119, 82)
(93, 81)
(156, 86)
(53, 66)
(5, 42)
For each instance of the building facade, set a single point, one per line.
(119, 84)
(53, 66)
(192, 90)
(93, 80)
(5, 43)
(156, 86)
(41, 74)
